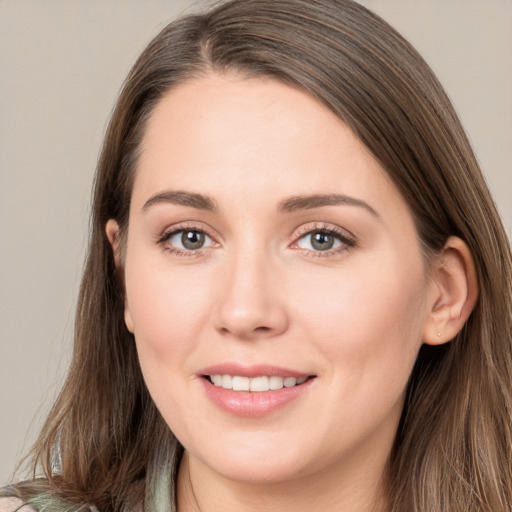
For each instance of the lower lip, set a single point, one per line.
(253, 404)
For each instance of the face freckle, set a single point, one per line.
(264, 237)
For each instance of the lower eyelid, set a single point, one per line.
(182, 252)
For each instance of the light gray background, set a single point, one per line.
(61, 65)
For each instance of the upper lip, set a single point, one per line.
(255, 370)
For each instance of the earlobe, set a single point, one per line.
(128, 317)
(112, 231)
(453, 292)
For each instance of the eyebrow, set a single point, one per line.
(288, 205)
(181, 198)
(307, 202)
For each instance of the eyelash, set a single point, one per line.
(347, 241)
(176, 251)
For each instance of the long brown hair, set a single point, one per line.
(105, 444)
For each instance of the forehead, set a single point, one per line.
(228, 136)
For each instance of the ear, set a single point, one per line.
(453, 292)
(112, 231)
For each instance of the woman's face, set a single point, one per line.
(268, 251)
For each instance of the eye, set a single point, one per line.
(319, 241)
(186, 240)
(325, 240)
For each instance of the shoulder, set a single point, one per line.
(13, 505)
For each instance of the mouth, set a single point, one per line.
(258, 384)
(254, 390)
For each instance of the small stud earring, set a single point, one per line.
(438, 334)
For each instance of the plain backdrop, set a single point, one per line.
(62, 63)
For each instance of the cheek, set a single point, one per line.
(368, 317)
(167, 308)
(365, 321)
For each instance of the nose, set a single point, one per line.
(251, 304)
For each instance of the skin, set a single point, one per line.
(258, 292)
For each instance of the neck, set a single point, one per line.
(200, 489)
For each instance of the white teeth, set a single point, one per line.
(276, 383)
(227, 382)
(289, 382)
(257, 384)
(217, 380)
(241, 383)
(260, 384)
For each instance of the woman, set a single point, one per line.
(297, 293)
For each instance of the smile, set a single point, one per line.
(255, 384)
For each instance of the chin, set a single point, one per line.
(255, 463)
(259, 472)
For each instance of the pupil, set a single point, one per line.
(192, 239)
(322, 241)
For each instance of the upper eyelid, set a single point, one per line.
(322, 226)
(347, 239)
(187, 226)
(163, 240)
(297, 233)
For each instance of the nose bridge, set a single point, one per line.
(250, 304)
